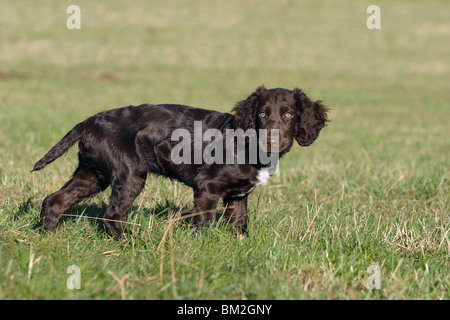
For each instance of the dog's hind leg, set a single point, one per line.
(84, 184)
(124, 191)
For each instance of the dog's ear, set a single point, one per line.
(312, 118)
(245, 110)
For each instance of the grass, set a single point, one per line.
(372, 190)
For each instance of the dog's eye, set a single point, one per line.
(262, 115)
(288, 115)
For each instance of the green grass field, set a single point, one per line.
(373, 190)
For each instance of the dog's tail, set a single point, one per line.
(61, 147)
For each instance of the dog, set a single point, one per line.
(119, 147)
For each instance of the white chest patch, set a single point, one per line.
(261, 179)
(263, 176)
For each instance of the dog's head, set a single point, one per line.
(290, 112)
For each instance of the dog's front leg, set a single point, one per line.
(204, 209)
(236, 213)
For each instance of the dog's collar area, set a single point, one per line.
(265, 173)
(263, 176)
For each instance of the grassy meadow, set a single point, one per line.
(373, 190)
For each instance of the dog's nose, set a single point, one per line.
(273, 145)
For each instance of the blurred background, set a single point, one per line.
(383, 158)
(388, 89)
